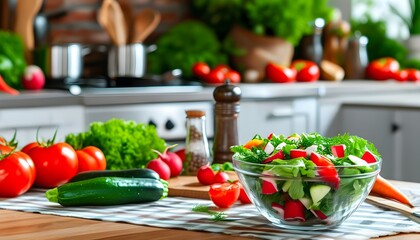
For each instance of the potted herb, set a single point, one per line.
(258, 31)
(412, 22)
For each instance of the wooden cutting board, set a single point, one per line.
(188, 186)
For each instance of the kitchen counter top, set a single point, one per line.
(262, 91)
(25, 225)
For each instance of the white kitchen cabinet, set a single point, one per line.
(395, 133)
(26, 121)
(285, 117)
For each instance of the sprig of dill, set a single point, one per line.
(215, 215)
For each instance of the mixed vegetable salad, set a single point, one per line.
(307, 177)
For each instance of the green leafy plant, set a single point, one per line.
(282, 18)
(379, 45)
(413, 20)
(125, 144)
(12, 59)
(184, 45)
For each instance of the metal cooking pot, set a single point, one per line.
(63, 61)
(128, 60)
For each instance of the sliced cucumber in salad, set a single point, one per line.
(299, 178)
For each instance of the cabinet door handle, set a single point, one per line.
(279, 114)
(395, 127)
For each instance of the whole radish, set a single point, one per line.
(172, 160)
(33, 78)
(160, 167)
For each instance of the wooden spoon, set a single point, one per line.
(25, 14)
(117, 23)
(104, 19)
(127, 10)
(145, 23)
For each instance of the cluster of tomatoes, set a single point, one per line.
(44, 165)
(299, 70)
(223, 192)
(217, 75)
(389, 68)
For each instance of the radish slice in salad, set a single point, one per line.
(269, 148)
(319, 214)
(297, 153)
(338, 150)
(279, 209)
(327, 169)
(277, 155)
(369, 157)
(294, 210)
(269, 186)
(311, 149)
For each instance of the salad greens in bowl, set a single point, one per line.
(307, 181)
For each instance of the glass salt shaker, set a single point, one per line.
(197, 152)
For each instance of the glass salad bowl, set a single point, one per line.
(296, 186)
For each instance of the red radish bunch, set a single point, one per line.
(207, 176)
(167, 165)
(33, 78)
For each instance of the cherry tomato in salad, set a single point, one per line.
(17, 174)
(90, 158)
(224, 195)
(201, 69)
(55, 164)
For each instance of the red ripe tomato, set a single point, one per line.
(2, 141)
(243, 197)
(55, 164)
(327, 170)
(4, 149)
(233, 76)
(280, 74)
(401, 76)
(224, 195)
(29, 146)
(201, 69)
(215, 77)
(16, 174)
(382, 68)
(307, 71)
(90, 158)
(413, 74)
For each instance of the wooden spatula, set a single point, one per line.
(26, 11)
(145, 23)
(411, 213)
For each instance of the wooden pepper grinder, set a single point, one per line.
(227, 107)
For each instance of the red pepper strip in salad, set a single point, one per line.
(6, 88)
(327, 170)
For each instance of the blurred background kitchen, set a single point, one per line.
(341, 36)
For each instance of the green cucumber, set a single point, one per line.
(318, 192)
(130, 173)
(103, 191)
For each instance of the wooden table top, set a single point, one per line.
(24, 225)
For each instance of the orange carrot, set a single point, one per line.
(6, 88)
(384, 188)
(253, 143)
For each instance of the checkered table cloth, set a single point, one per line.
(173, 212)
